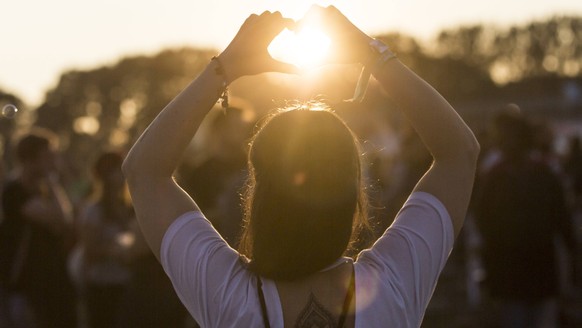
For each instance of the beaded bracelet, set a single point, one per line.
(219, 70)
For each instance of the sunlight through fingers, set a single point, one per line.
(305, 49)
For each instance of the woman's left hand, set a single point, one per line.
(247, 53)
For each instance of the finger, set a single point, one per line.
(277, 15)
(274, 24)
(282, 67)
(333, 9)
(277, 18)
(248, 22)
(289, 23)
(314, 14)
(332, 13)
(265, 13)
(315, 9)
(250, 19)
(277, 21)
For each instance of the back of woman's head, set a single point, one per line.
(303, 194)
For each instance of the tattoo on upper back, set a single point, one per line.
(314, 315)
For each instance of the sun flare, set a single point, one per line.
(304, 49)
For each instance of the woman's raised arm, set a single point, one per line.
(151, 162)
(447, 137)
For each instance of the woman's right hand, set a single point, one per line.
(349, 44)
(247, 53)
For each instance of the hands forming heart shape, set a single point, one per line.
(272, 43)
(305, 49)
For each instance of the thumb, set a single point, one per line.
(282, 67)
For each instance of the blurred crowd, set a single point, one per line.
(521, 245)
(72, 254)
(81, 263)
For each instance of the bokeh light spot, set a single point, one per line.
(86, 125)
(9, 111)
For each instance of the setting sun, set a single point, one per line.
(304, 49)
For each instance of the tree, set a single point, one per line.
(111, 104)
(552, 46)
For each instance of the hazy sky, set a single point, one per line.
(40, 39)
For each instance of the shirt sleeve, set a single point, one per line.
(207, 274)
(410, 255)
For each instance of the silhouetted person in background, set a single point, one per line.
(216, 176)
(149, 300)
(106, 241)
(35, 234)
(573, 177)
(520, 209)
(573, 168)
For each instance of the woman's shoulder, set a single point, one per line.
(423, 220)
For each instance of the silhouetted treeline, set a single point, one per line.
(552, 46)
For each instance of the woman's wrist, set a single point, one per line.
(224, 68)
(218, 68)
(379, 53)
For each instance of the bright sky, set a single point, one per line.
(40, 39)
